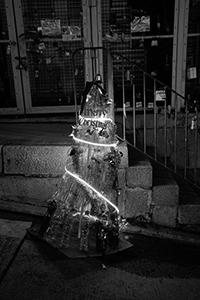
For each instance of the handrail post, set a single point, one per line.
(134, 108)
(175, 134)
(74, 87)
(110, 81)
(123, 98)
(144, 98)
(186, 139)
(196, 144)
(165, 129)
(155, 120)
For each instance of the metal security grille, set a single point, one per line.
(153, 55)
(193, 60)
(49, 55)
(7, 89)
(116, 17)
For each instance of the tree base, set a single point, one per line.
(74, 250)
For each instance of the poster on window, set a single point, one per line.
(71, 33)
(51, 27)
(140, 24)
(160, 95)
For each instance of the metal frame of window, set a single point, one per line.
(19, 109)
(181, 15)
(30, 109)
(93, 59)
(92, 32)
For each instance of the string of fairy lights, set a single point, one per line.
(77, 177)
(85, 183)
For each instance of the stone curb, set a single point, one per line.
(178, 236)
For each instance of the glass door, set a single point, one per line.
(192, 86)
(142, 32)
(11, 93)
(48, 34)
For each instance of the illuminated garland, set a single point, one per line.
(96, 119)
(92, 188)
(101, 119)
(92, 143)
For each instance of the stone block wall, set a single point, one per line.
(135, 185)
(30, 174)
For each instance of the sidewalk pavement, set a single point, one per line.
(162, 264)
(153, 268)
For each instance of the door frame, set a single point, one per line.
(181, 18)
(29, 109)
(13, 42)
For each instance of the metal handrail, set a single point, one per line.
(175, 151)
(157, 152)
(134, 65)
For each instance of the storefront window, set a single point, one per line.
(193, 60)
(53, 31)
(7, 90)
(141, 31)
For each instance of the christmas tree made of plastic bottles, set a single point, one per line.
(83, 215)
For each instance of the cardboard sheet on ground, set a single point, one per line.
(73, 251)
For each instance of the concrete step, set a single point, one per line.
(188, 212)
(189, 203)
(151, 190)
(139, 172)
(165, 188)
(165, 196)
(138, 185)
(30, 174)
(177, 192)
(32, 161)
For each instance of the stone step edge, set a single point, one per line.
(41, 159)
(13, 206)
(184, 185)
(178, 179)
(164, 233)
(139, 171)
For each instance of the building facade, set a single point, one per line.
(48, 49)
